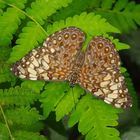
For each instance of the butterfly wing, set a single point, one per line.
(100, 73)
(54, 60)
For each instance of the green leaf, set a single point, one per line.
(68, 102)
(48, 7)
(20, 3)
(52, 95)
(9, 25)
(37, 86)
(26, 135)
(122, 14)
(96, 119)
(17, 96)
(31, 36)
(5, 74)
(119, 45)
(24, 118)
(4, 135)
(107, 4)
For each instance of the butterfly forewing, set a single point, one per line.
(100, 73)
(55, 59)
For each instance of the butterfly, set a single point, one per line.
(61, 58)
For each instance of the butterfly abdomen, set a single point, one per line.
(77, 68)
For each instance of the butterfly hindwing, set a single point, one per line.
(54, 60)
(100, 73)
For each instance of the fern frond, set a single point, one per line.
(30, 37)
(4, 135)
(24, 118)
(90, 23)
(5, 53)
(2, 6)
(20, 3)
(17, 96)
(96, 119)
(119, 45)
(122, 14)
(41, 9)
(5, 74)
(37, 86)
(26, 135)
(51, 96)
(9, 22)
(68, 102)
(9, 25)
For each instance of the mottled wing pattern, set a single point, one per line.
(54, 60)
(100, 73)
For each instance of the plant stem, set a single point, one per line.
(10, 134)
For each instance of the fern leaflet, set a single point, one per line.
(96, 119)
(122, 14)
(30, 37)
(26, 135)
(37, 86)
(5, 74)
(17, 96)
(47, 8)
(68, 102)
(9, 25)
(51, 96)
(31, 120)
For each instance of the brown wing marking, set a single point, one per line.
(100, 73)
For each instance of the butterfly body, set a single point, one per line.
(61, 58)
(77, 68)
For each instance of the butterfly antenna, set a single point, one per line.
(73, 98)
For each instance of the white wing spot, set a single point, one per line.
(99, 92)
(21, 69)
(117, 105)
(44, 44)
(59, 38)
(45, 76)
(32, 71)
(54, 42)
(31, 66)
(109, 99)
(33, 78)
(105, 90)
(114, 87)
(46, 66)
(112, 61)
(108, 102)
(52, 50)
(46, 58)
(35, 63)
(108, 77)
(22, 76)
(103, 84)
(112, 95)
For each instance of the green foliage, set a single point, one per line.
(26, 104)
(121, 13)
(17, 96)
(26, 135)
(101, 119)
(24, 118)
